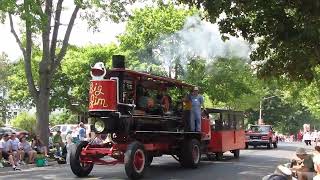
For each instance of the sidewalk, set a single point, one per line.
(27, 166)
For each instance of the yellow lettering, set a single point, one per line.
(95, 91)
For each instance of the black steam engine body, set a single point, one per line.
(142, 120)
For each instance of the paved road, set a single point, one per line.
(252, 165)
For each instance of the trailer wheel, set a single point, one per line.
(190, 157)
(149, 160)
(236, 153)
(135, 160)
(247, 146)
(219, 156)
(211, 157)
(78, 168)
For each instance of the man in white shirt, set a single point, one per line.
(7, 151)
(17, 153)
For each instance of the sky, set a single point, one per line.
(80, 34)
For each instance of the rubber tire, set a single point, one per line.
(247, 146)
(219, 156)
(236, 153)
(275, 145)
(128, 160)
(149, 159)
(76, 168)
(269, 144)
(187, 160)
(211, 157)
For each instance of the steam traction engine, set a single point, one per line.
(138, 132)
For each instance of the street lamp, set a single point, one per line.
(260, 113)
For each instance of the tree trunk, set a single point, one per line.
(42, 105)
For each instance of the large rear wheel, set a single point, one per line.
(135, 160)
(79, 168)
(190, 155)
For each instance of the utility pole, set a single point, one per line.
(260, 121)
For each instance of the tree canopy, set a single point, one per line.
(42, 21)
(286, 32)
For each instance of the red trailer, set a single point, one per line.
(140, 127)
(227, 133)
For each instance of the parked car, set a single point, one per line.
(9, 130)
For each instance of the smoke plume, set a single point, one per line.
(198, 39)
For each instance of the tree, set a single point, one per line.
(65, 117)
(286, 32)
(4, 73)
(43, 19)
(78, 83)
(233, 84)
(25, 121)
(147, 28)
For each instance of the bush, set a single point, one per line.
(25, 121)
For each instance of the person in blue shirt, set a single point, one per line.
(197, 103)
(82, 132)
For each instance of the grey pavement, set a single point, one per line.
(253, 164)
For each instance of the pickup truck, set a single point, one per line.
(261, 135)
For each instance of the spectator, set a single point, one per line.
(69, 145)
(1, 147)
(307, 138)
(25, 146)
(50, 145)
(57, 141)
(17, 153)
(82, 132)
(97, 139)
(303, 166)
(5, 148)
(316, 161)
(39, 146)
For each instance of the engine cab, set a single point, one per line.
(123, 101)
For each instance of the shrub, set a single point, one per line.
(25, 121)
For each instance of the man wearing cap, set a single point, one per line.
(197, 103)
(304, 166)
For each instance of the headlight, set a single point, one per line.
(99, 126)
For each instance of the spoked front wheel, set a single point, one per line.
(79, 168)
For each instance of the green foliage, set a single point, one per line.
(287, 32)
(233, 84)
(25, 121)
(75, 72)
(285, 117)
(65, 117)
(4, 85)
(145, 28)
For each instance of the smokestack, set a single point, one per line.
(118, 61)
